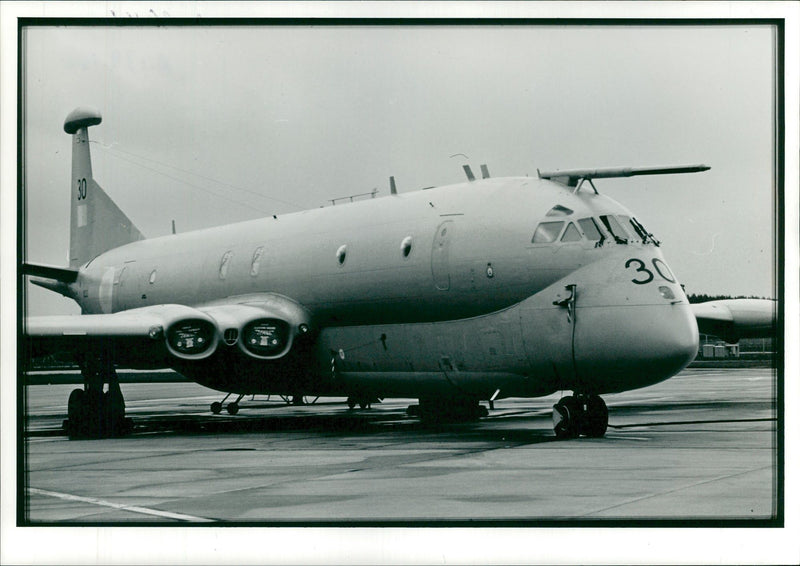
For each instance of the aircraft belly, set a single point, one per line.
(481, 385)
(474, 356)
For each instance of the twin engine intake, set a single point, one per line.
(263, 329)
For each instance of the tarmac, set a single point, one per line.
(699, 449)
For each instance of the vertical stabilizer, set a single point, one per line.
(96, 223)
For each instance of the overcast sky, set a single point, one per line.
(211, 125)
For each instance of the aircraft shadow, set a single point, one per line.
(345, 424)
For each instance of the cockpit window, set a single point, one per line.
(559, 210)
(615, 228)
(589, 227)
(571, 234)
(640, 230)
(547, 232)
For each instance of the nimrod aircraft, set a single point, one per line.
(456, 295)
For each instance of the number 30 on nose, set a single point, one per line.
(644, 275)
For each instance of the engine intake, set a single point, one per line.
(192, 338)
(266, 337)
(263, 326)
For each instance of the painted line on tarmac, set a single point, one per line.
(121, 506)
(714, 421)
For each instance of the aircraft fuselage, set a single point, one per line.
(432, 292)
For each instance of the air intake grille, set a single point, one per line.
(230, 336)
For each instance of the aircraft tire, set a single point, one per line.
(86, 415)
(216, 407)
(595, 418)
(113, 414)
(232, 408)
(76, 404)
(566, 417)
(351, 403)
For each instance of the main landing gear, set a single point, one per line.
(92, 412)
(362, 402)
(581, 415)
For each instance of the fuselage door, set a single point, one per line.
(440, 255)
(548, 325)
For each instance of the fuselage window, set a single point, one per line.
(256, 265)
(547, 232)
(615, 228)
(224, 264)
(152, 277)
(405, 246)
(571, 234)
(589, 227)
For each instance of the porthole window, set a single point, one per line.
(152, 277)
(256, 265)
(405, 246)
(341, 254)
(224, 264)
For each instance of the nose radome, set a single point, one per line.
(627, 347)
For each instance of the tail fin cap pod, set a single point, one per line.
(82, 117)
(96, 222)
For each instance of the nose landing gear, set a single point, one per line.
(581, 415)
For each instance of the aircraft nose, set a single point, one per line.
(627, 347)
(633, 325)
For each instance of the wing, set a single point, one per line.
(732, 319)
(263, 327)
(146, 337)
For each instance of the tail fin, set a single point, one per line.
(96, 223)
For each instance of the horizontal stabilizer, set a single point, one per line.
(573, 176)
(63, 274)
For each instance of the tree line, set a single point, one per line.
(703, 298)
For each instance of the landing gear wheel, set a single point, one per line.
(76, 404)
(74, 425)
(566, 417)
(351, 403)
(595, 418)
(91, 412)
(216, 407)
(232, 408)
(113, 407)
(364, 404)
